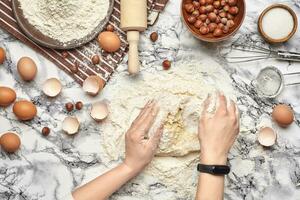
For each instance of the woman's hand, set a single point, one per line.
(140, 149)
(218, 133)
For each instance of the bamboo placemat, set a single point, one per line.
(77, 62)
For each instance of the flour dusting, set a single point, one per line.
(180, 93)
(65, 20)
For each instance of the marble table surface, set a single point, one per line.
(48, 167)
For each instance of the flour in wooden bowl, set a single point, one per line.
(65, 20)
(180, 93)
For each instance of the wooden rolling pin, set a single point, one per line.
(134, 21)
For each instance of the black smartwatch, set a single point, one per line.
(214, 169)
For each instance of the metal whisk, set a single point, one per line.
(255, 53)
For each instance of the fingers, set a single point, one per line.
(232, 108)
(147, 105)
(147, 120)
(206, 105)
(155, 139)
(222, 109)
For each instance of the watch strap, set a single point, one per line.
(214, 169)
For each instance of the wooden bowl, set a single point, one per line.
(265, 36)
(38, 37)
(238, 20)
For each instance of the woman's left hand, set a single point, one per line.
(140, 148)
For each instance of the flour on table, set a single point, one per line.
(65, 20)
(180, 93)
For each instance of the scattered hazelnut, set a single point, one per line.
(46, 131)
(95, 59)
(110, 28)
(166, 64)
(154, 36)
(79, 105)
(192, 19)
(232, 2)
(75, 67)
(69, 106)
(189, 7)
(217, 32)
(64, 54)
(204, 30)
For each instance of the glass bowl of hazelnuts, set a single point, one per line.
(213, 20)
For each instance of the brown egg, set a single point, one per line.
(109, 41)
(7, 96)
(10, 142)
(27, 68)
(24, 110)
(2, 55)
(283, 115)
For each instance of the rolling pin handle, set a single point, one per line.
(133, 58)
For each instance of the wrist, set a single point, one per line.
(213, 159)
(131, 169)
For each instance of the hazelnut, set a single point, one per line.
(79, 105)
(64, 54)
(154, 36)
(216, 11)
(198, 24)
(196, 13)
(232, 2)
(191, 19)
(202, 17)
(225, 29)
(230, 23)
(224, 21)
(46, 131)
(166, 64)
(217, 32)
(218, 20)
(233, 10)
(202, 2)
(196, 4)
(226, 8)
(229, 16)
(202, 10)
(217, 4)
(69, 106)
(189, 7)
(220, 25)
(209, 1)
(207, 21)
(222, 14)
(212, 17)
(110, 28)
(209, 8)
(95, 59)
(204, 30)
(212, 27)
(223, 2)
(75, 67)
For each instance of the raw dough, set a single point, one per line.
(180, 93)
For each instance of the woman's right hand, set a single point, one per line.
(217, 133)
(140, 148)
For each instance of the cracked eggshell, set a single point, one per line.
(267, 137)
(52, 87)
(93, 85)
(70, 125)
(99, 111)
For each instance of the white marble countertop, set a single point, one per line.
(48, 167)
